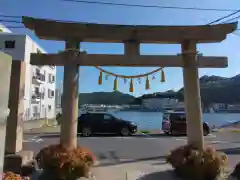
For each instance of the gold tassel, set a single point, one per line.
(147, 86)
(100, 78)
(162, 76)
(131, 89)
(115, 87)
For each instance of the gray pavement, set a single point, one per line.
(140, 148)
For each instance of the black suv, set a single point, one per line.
(175, 123)
(93, 123)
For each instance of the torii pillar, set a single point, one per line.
(192, 96)
(68, 136)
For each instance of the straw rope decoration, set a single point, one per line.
(131, 86)
(118, 76)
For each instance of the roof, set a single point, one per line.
(86, 32)
(19, 34)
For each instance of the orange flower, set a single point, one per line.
(65, 162)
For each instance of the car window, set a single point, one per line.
(84, 116)
(178, 117)
(107, 117)
(89, 117)
(165, 116)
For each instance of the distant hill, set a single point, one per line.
(105, 98)
(214, 89)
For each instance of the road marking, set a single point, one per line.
(211, 142)
(209, 136)
(181, 139)
(36, 140)
(26, 141)
(39, 140)
(219, 142)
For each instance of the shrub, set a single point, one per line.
(13, 176)
(65, 163)
(145, 131)
(58, 118)
(190, 163)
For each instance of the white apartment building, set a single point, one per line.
(40, 81)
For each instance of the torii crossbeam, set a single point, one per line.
(73, 33)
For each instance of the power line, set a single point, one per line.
(236, 34)
(234, 18)
(14, 27)
(9, 21)
(14, 16)
(147, 6)
(224, 17)
(9, 16)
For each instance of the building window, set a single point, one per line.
(49, 77)
(52, 93)
(35, 109)
(37, 90)
(49, 93)
(43, 93)
(37, 72)
(49, 108)
(53, 78)
(9, 44)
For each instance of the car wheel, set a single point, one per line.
(172, 132)
(125, 131)
(205, 131)
(86, 132)
(167, 133)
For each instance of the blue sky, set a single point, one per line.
(93, 13)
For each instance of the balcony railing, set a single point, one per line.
(39, 78)
(39, 96)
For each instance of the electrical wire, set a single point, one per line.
(108, 3)
(224, 17)
(234, 18)
(10, 21)
(146, 6)
(14, 27)
(9, 16)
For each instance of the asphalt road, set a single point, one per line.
(116, 150)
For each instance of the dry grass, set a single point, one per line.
(40, 130)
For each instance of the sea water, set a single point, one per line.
(153, 120)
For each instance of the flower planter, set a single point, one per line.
(190, 163)
(59, 163)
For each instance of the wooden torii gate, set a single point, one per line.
(74, 33)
